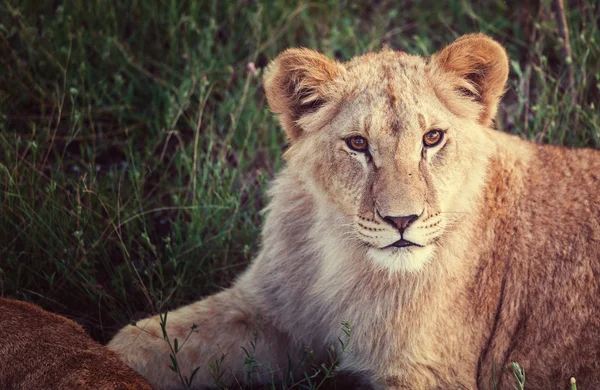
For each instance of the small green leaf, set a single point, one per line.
(174, 362)
(194, 374)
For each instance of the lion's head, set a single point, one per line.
(396, 143)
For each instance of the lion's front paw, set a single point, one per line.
(143, 348)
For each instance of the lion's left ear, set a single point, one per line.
(469, 76)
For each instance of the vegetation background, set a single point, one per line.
(136, 145)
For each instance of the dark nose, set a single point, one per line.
(401, 222)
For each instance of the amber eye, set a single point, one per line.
(357, 143)
(433, 138)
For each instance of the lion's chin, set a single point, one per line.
(408, 259)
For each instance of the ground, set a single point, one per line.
(136, 145)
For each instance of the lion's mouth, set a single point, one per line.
(402, 243)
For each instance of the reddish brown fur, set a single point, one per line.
(537, 289)
(41, 350)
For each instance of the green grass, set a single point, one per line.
(136, 145)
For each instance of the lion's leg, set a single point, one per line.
(225, 325)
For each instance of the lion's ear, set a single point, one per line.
(296, 84)
(475, 69)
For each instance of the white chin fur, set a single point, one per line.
(412, 259)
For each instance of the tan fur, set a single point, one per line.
(508, 268)
(40, 350)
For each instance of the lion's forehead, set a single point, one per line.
(376, 73)
(388, 92)
(388, 114)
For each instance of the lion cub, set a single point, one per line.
(451, 248)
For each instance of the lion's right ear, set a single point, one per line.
(296, 84)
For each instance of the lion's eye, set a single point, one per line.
(433, 138)
(357, 143)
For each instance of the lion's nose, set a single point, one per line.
(401, 222)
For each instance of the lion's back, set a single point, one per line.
(546, 257)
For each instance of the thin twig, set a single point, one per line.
(563, 30)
